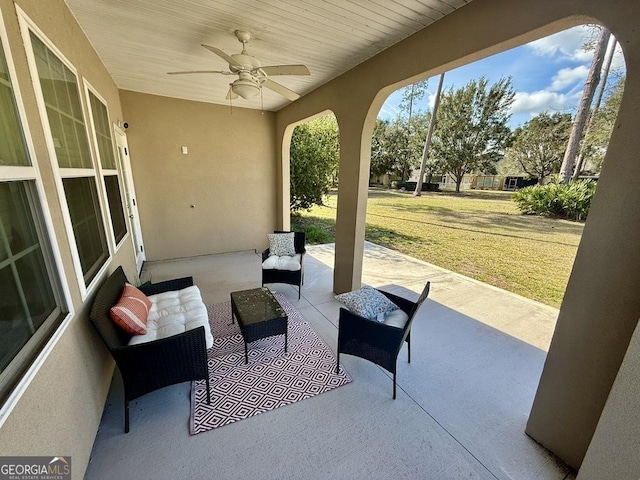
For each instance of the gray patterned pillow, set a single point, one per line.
(366, 302)
(281, 244)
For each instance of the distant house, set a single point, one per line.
(481, 182)
(500, 182)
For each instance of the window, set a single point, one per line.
(30, 300)
(104, 142)
(64, 111)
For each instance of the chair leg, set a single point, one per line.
(208, 389)
(126, 416)
(394, 385)
(299, 289)
(338, 363)
(409, 347)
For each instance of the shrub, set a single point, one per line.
(426, 187)
(316, 235)
(563, 200)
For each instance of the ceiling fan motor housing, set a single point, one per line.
(245, 63)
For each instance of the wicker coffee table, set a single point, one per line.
(259, 316)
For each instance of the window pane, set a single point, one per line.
(12, 146)
(115, 206)
(103, 132)
(88, 231)
(64, 111)
(27, 298)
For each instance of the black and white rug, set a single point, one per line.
(270, 380)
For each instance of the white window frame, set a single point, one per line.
(54, 260)
(27, 26)
(113, 246)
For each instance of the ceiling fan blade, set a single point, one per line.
(199, 71)
(231, 95)
(281, 89)
(286, 70)
(225, 56)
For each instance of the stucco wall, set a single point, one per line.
(228, 175)
(59, 412)
(616, 442)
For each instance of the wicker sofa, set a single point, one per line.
(154, 364)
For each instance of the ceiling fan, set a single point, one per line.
(252, 76)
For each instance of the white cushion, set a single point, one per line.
(397, 318)
(175, 312)
(282, 263)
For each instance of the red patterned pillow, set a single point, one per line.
(131, 311)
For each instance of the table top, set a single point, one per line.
(256, 305)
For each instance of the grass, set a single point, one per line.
(478, 234)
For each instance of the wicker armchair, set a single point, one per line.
(287, 276)
(376, 341)
(149, 366)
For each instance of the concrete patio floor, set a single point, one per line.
(462, 404)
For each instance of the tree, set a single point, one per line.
(315, 151)
(411, 94)
(381, 159)
(472, 132)
(597, 138)
(396, 146)
(594, 112)
(593, 78)
(538, 145)
(427, 142)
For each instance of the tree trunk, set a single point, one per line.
(427, 142)
(594, 112)
(583, 109)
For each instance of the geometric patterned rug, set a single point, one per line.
(270, 380)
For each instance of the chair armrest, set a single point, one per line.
(405, 305)
(265, 254)
(166, 286)
(148, 366)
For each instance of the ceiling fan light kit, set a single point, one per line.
(252, 76)
(245, 87)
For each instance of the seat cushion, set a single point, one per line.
(366, 302)
(285, 262)
(131, 311)
(175, 312)
(396, 318)
(282, 244)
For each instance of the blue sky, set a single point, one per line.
(547, 75)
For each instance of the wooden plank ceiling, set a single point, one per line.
(139, 41)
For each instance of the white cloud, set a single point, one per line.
(568, 77)
(565, 45)
(540, 101)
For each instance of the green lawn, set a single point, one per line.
(478, 234)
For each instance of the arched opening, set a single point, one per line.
(585, 352)
(314, 155)
(540, 251)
